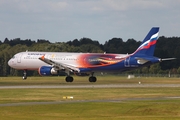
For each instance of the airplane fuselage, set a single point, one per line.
(86, 62)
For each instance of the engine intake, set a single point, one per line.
(47, 70)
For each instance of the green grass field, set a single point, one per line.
(84, 80)
(89, 103)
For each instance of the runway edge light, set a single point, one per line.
(68, 97)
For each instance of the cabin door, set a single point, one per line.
(19, 58)
(127, 62)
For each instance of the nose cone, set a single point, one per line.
(10, 62)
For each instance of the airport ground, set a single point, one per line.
(111, 97)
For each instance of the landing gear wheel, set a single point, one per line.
(69, 79)
(25, 75)
(92, 79)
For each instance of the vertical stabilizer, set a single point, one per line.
(148, 45)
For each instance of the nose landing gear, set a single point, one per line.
(25, 75)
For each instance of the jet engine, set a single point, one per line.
(47, 70)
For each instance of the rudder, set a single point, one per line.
(148, 45)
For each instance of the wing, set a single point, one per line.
(59, 65)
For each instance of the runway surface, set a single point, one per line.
(84, 101)
(90, 86)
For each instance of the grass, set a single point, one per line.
(36, 95)
(136, 110)
(93, 104)
(84, 80)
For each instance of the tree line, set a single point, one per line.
(165, 47)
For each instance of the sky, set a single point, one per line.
(101, 20)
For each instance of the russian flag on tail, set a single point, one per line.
(148, 45)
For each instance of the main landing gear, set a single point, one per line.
(25, 75)
(69, 79)
(91, 78)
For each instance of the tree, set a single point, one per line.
(178, 70)
(42, 41)
(155, 68)
(90, 48)
(145, 70)
(6, 40)
(114, 45)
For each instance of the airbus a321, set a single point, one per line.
(51, 63)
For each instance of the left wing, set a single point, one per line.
(59, 65)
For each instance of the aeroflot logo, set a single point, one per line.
(36, 54)
(150, 42)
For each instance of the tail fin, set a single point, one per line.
(148, 45)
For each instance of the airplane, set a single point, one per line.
(51, 63)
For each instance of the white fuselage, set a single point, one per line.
(30, 60)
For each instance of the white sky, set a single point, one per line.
(64, 20)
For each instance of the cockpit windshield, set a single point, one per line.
(13, 57)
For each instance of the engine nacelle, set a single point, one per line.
(47, 70)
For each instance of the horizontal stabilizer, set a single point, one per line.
(165, 59)
(141, 60)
